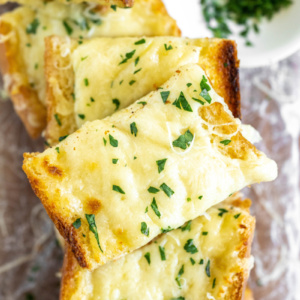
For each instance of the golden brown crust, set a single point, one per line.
(24, 98)
(236, 289)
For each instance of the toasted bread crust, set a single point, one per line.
(236, 289)
(24, 97)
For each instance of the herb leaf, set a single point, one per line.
(93, 228)
(133, 129)
(33, 26)
(153, 190)
(127, 57)
(205, 95)
(164, 96)
(144, 229)
(162, 253)
(198, 100)
(187, 226)
(181, 271)
(116, 188)
(183, 140)
(56, 116)
(190, 247)
(148, 258)
(62, 138)
(165, 230)
(116, 102)
(236, 216)
(167, 190)
(161, 164)
(207, 268)
(225, 142)
(155, 208)
(192, 261)
(222, 211)
(113, 141)
(77, 223)
(168, 47)
(182, 103)
(139, 42)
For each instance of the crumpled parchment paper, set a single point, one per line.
(30, 258)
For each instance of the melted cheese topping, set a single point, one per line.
(80, 171)
(217, 241)
(123, 80)
(80, 21)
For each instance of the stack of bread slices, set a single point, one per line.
(146, 153)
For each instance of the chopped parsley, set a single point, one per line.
(56, 116)
(164, 96)
(86, 82)
(207, 268)
(187, 226)
(144, 229)
(33, 26)
(183, 140)
(136, 71)
(155, 208)
(205, 88)
(116, 102)
(201, 262)
(128, 56)
(68, 28)
(214, 283)
(136, 60)
(62, 138)
(188, 199)
(167, 190)
(77, 223)
(84, 58)
(190, 247)
(198, 100)
(113, 141)
(146, 210)
(168, 47)
(147, 256)
(140, 42)
(104, 141)
(204, 233)
(133, 129)
(192, 261)
(225, 142)
(222, 211)
(188, 84)
(142, 102)
(153, 190)
(236, 216)
(93, 228)
(117, 189)
(162, 252)
(113, 7)
(115, 160)
(182, 103)
(165, 230)
(131, 82)
(200, 197)
(161, 164)
(81, 116)
(181, 271)
(57, 150)
(178, 298)
(92, 99)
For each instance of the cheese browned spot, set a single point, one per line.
(197, 165)
(226, 247)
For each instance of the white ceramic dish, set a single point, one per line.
(277, 39)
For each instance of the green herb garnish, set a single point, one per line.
(77, 223)
(192, 261)
(33, 26)
(168, 47)
(162, 252)
(68, 28)
(93, 228)
(117, 189)
(222, 211)
(207, 268)
(181, 271)
(155, 208)
(113, 141)
(164, 96)
(115, 161)
(225, 142)
(56, 116)
(165, 230)
(127, 57)
(147, 256)
(139, 42)
(153, 190)
(182, 103)
(190, 247)
(133, 129)
(62, 138)
(187, 226)
(167, 190)
(184, 140)
(144, 229)
(161, 164)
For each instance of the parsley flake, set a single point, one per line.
(81, 116)
(77, 223)
(115, 161)
(131, 82)
(33, 26)
(188, 84)
(165, 230)
(93, 228)
(56, 116)
(190, 247)
(62, 138)
(136, 71)
(113, 141)
(133, 129)
(204, 233)
(117, 189)
(181, 271)
(192, 261)
(104, 141)
(187, 226)
(236, 216)
(144, 229)
(205, 95)
(214, 283)
(168, 47)
(222, 211)
(182, 103)
(200, 197)
(201, 262)
(198, 100)
(128, 56)
(207, 268)
(162, 252)
(155, 208)
(136, 60)
(184, 140)
(116, 102)
(147, 256)
(164, 96)
(167, 190)
(142, 102)
(68, 28)
(153, 190)
(86, 82)
(140, 42)
(57, 150)
(113, 7)
(225, 142)
(161, 164)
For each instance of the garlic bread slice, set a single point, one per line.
(207, 258)
(177, 151)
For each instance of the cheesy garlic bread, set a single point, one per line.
(22, 44)
(207, 258)
(160, 162)
(122, 70)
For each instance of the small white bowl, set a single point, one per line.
(276, 40)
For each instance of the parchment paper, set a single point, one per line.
(30, 258)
